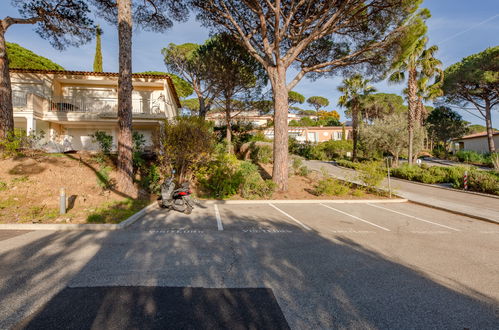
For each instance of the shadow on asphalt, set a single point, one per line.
(318, 282)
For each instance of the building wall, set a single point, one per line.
(478, 144)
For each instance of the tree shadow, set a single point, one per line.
(318, 281)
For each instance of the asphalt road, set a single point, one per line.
(306, 266)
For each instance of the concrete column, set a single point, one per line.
(30, 124)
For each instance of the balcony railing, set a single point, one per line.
(19, 99)
(105, 105)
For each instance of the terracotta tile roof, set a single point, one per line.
(476, 135)
(104, 74)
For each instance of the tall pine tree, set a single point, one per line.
(98, 51)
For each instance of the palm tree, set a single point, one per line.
(421, 65)
(354, 89)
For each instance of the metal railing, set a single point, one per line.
(104, 105)
(19, 99)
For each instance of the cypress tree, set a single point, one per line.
(98, 51)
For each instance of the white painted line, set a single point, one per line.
(411, 216)
(219, 219)
(292, 218)
(355, 217)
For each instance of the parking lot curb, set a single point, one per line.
(447, 209)
(304, 201)
(71, 226)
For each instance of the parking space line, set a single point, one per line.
(355, 217)
(219, 219)
(291, 217)
(411, 216)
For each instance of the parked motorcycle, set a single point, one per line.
(176, 199)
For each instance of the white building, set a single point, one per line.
(475, 142)
(70, 106)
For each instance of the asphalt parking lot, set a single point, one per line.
(324, 265)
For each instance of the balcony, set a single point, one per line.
(106, 106)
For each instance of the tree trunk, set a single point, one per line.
(488, 124)
(125, 161)
(355, 131)
(202, 107)
(413, 105)
(6, 111)
(280, 91)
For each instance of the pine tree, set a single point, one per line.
(98, 51)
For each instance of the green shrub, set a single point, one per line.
(17, 140)
(152, 180)
(348, 164)
(3, 186)
(221, 178)
(358, 192)
(261, 153)
(303, 171)
(336, 149)
(104, 140)
(371, 174)
(331, 187)
(187, 144)
(252, 185)
(297, 162)
(482, 181)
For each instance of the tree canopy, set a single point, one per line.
(295, 98)
(380, 105)
(318, 102)
(475, 81)
(183, 88)
(443, 125)
(22, 58)
(318, 38)
(98, 50)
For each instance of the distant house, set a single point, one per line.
(315, 134)
(474, 142)
(70, 106)
(252, 116)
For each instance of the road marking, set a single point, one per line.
(411, 216)
(292, 218)
(219, 219)
(355, 217)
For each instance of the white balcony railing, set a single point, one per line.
(19, 99)
(105, 105)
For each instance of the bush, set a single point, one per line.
(371, 174)
(187, 144)
(482, 181)
(221, 178)
(253, 186)
(303, 171)
(348, 164)
(104, 140)
(3, 186)
(336, 149)
(17, 140)
(261, 153)
(152, 180)
(139, 143)
(331, 187)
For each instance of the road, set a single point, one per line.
(480, 206)
(298, 266)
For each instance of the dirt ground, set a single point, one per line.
(30, 187)
(301, 187)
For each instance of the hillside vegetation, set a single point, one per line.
(22, 58)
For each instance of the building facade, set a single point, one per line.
(68, 107)
(475, 142)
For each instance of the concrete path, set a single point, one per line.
(477, 206)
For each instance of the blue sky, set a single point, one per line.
(458, 27)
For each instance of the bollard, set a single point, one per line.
(62, 201)
(465, 180)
